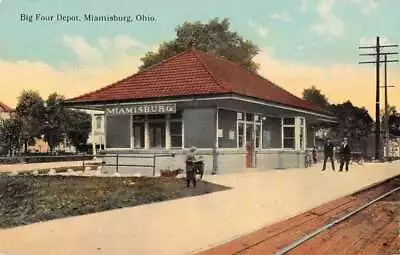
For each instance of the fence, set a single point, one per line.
(81, 161)
(118, 156)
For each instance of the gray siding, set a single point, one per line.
(280, 159)
(199, 127)
(272, 129)
(227, 122)
(118, 133)
(229, 161)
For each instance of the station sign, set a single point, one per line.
(141, 109)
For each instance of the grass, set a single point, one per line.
(29, 199)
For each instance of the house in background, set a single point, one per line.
(236, 118)
(96, 135)
(5, 111)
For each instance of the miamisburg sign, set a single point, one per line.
(140, 109)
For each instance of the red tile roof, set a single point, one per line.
(5, 107)
(195, 73)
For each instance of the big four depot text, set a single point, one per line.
(38, 17)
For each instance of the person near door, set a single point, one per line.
(314, 155)
(328, 153)
(345, 155)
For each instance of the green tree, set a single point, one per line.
(30, 109)
(354, 123)
(10, 134)
(214, 37)
(54, 124)
(78, 127)
(316, 97)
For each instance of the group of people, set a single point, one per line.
(344, 153)
(195, 165)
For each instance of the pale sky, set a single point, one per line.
(303, 42)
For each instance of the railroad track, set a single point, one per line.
(367, 218)
(309, 236)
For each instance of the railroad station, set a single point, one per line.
(234, 117)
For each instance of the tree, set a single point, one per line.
(394, 124)
(54, 124)
(354, 122)
(214, 37)
(30, 110)
(78, 127)
(315, 96)
(10, 134)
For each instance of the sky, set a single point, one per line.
(302, 42)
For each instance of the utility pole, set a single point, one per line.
(386, 120)
(377, 62)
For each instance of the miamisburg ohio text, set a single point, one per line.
(117, 18)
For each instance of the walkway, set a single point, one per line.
(190, 225)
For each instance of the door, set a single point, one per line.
(138, 135)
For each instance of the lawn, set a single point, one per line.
(28, 199)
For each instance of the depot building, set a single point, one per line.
(236, 118)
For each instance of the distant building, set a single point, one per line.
(96, 136)
(5, 111)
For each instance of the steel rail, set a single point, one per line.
(329, 225)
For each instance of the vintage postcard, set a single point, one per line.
(199, 127)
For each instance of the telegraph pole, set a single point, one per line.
(386, 123)
(377, 62)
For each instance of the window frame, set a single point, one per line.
(283, 126)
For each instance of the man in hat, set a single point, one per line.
(190, 167)
(328, 153)
(345, 155)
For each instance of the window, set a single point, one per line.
(249, 117)
(267, 141)
(249, 132)
(288, 129)
(99, 120)
(258, 133)
(157, 134)
(176, 134)
(288, 121)
(251, 124)
(240, 134)
(302, 133)
(138, 135)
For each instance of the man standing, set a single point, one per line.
(328, 153)
(190, 167)
(345, 155)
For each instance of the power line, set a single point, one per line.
(379, 52)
